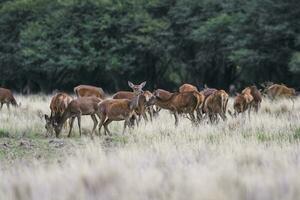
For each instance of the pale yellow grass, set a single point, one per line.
(236, 159)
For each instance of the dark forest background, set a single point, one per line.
(58, 44)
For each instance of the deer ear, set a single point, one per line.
(143, 84)
(130, 84)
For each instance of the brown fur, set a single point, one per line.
(6, 97)
(243, 102)
(208, 91)
(188, 88)
(89, 91)
(178, 103)
(257, 98)
(277, 91)
(75, 109)
(117, 110)
(58, 105)
(216, 104)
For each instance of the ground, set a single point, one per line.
(237, 159)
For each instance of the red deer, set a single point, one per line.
(58, 105)
(277, 91)
(6, 97)
(257, 98)
(77, 108)
(178, 103)
(137, 89)
(121, 109)
(243, 102)
(216, 104)
(162, 94)
(88, 91)
(188, 88)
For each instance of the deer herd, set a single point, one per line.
(132, 106)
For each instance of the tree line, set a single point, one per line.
(58, 44)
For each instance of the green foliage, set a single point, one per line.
(48, 45)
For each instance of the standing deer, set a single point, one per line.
(216, 104)
(58, 105)
(120, 109)
(137, 89)
(88, 91)
(255, 93)
(6, 97)
(243, 102)
(75, 109)
(188, 88)
(178, 103)
(277, 91)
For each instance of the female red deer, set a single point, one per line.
(178, 103)
(89, 91)
(257, 98)
(216, 104)
(58, 105)
(6, 97)
(121, 109)
(188, 88)
(243, 102)
(137, 89)
(77, 108)
(277, 91)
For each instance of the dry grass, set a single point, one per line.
(236, 159)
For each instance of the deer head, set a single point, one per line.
(137, 89)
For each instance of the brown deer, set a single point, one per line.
(58, 105)
(277, 91)
(178, 103)
(120, 109)
(75, 109)
(216, 104)
(6, 97)
(243, 102)
(188, 88)
(137, 89)
(257, 98)
(162, 94)
(88, 91)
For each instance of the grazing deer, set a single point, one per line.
(216, 104)
(6, 97)
(243, 102)
(178, 103)
(137, 89)
(88, 91)
(188, 88)
(257, 98)
(58, 105)
(277, 91)
(120, 109)
(75, 109)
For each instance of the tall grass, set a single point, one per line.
(237, 159)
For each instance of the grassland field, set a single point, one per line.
(236, 159)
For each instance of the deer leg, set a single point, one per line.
(1, 105)
(124, 127)
(95, 123)
(176, 118)
(79, 123)
(101, 123)
(71, 126)
(7, 104)
(108, 121)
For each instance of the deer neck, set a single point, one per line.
(135, 101)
